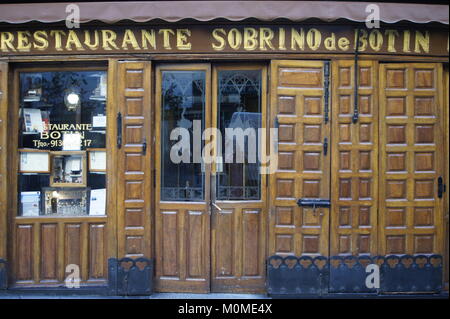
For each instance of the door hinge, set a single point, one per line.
(326, 88)
(441, 187)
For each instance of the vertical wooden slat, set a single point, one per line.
(3, 158)
(49, 252)
(24, 266)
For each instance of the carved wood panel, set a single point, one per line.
(297, 101)
(411, 136)
(46, 248)
(134, 167)
(354, 160)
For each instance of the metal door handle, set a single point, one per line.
(325, 146)
(217, 207)
(119, 130)
(441, 187)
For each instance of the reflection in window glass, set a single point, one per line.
(183, 102)
(62, 123)
(239, 108)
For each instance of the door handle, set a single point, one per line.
(325, 146)
(441, 187)
(119, 130)
(216, 207)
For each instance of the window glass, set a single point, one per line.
(239, 109)
(183, 105)
(62, 143)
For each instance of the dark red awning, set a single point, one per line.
(173, 11)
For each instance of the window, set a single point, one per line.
(239, 109)
(183, 105)
(62, 143)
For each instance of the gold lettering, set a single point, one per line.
(362, 40)
(343, 43)
(313, 39)
(375, 40)
(422, 40)
(129, 38)
(148, 37)
(41, 38)
(250, 41)
(265, 37)
(406, 41)
(330, 42)
(217, 37)
(182, 39)
(6, 41)
(108, 38)
(281, 39)
(87, 40)
(234, 38)
(391, 34)
(23, 42)
(72, 38)
(297, 39)
(166, 37)
(57, 34)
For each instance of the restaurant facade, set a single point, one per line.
(92, 111)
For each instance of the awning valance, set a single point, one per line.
(173, 11)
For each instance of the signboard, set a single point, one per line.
(333, 39)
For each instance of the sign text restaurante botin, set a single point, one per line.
(226, 39)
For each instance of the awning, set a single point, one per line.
(173, 11)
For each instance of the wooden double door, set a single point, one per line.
(210, 215)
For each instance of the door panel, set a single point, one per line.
(182, 189)
(238, 226)
(297, 104)
(355, 160)
(411, 140)
(134, 165)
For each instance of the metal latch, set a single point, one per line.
(313, 202)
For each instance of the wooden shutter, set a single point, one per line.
(3, 157)
(355, 160)
(134, 166)
(411, 136)
(297, 101)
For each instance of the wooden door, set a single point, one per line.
(411, 158)
(298, 108)
(238, 235)
(182, 214)
(355, 160)
(134, 158)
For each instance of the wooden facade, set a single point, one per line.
(380, 172)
